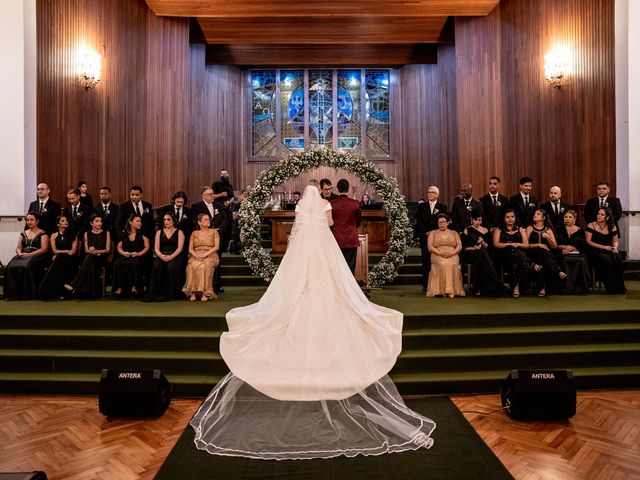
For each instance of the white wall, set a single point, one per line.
(17, 116)
(628, 120)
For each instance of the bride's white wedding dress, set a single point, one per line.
(309, 362)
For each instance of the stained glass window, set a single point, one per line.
(263, 86)
(346, 109)
(377, 95)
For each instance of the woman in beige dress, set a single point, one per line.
(445, 277)
(203, 260)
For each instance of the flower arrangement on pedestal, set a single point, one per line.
(293, 165)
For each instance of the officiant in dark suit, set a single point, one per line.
(326, 190)
(426, 221)
(524, 203)
(603, 200)
(347, 215)
(494, 204)
(48, 209)
(555, 208)
(108, 210)
(462, 207)
(218, 220)
(139, 207)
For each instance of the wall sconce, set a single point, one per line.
(90, 69)
(556, 65)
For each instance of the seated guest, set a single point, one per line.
(129, 267)
(572, 247)
(97, 247)
(167, 274)
(510, 240)
(476, 241)
(445, 277)
(77, 213)
(542, 242)
(64, 264)
(602, 239)
(366, 200)
(25, 271)
(45, 206)
(85, 197)
(203, 259)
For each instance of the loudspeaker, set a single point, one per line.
(39, 475)
(539, 394)
(133, 393)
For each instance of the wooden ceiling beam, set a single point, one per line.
(320, 30)
(325, 8)
(299, 56)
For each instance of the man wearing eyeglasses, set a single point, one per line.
(426, 217)
(326, 190)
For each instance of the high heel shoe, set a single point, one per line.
(516, 292)
(192, 298)
(542, 293)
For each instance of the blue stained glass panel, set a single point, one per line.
(377, 123)
(263, 88)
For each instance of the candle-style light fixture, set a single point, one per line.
(556, 65)
(90, 68)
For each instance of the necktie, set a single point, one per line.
(602, 203)
(75, 212)
(555, 207)
(41, 207)
(178, 214)
(137, 208)
(493, 199)
(526, 200)
(466, 203)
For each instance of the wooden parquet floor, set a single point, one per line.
(69, 439)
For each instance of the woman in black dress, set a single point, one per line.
(476, 242)
(128, 269)
(97, 247)
(571, 249)
(542, 242)
(602, 238)
(168, 273)
(510, 241)
(25, 271)
(64, 264)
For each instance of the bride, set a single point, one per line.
(309, 362)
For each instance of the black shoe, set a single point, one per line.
(220, 290)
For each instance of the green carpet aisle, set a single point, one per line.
(458, 453)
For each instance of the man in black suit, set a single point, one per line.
(524, 203)
(78, 214)
(426, 221)
(326, 190)
(48, 209)
(603, 200)
(462, 207)
(223, 198)
(555, 208)
(218, 220)
(182, 214)
(139, 207)
(494, 205)
(108, 211)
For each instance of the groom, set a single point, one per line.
(346, 220)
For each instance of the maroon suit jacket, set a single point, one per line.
(346, 219)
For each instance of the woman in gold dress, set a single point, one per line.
(203, 260)
(445, 277)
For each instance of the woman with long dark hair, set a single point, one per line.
(572, 247)
(167, 274)
(602, 237)
(542, 241)
(97, 247)
(64, 263)
(128, 269)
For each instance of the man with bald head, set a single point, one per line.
(462, 207)
(46, 207)
(555, 208)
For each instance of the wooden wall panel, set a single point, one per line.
(163, 118)
(511, 122)
(131, 128)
